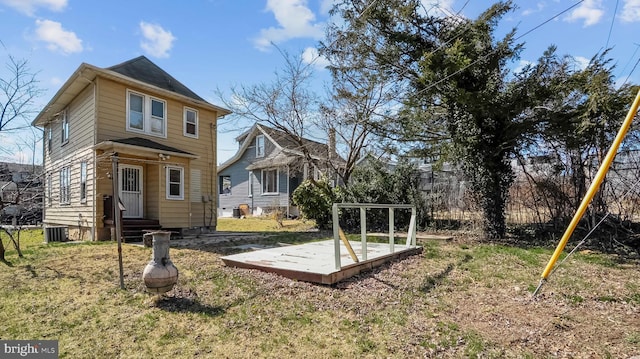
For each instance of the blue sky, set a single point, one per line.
(215, 44)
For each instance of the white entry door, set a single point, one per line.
(131, 190)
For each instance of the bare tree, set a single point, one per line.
(361, 98)
(18, 90)
(287, 104)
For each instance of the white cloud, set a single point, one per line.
(521, 65)
(295, 20)
(310, 55)
(57, 38)
(438, 7)
(590, 11)
(630, 11)
(157, 41)
(326, 5)
(28, 7)
(56, 81)
(581, 62)
(539, 7)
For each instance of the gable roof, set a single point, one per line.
(139, 72)
(283, 141)
(142, 69)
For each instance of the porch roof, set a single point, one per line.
(143, 144)
(278, 160)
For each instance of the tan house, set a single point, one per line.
(159, 135)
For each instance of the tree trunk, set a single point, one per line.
(493, 208)
(490, 179)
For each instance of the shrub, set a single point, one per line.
(314, 200)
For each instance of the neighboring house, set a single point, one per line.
(159, 133)
(23, 179)
(267, 168)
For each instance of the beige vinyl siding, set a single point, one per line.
(175, 213)
(75, 212)
(102, 170)
(79, 148)
(81, 125)
(152, 192)
(112, 115)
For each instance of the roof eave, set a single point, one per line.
(71, 88)
(86, 72)
(117, 146)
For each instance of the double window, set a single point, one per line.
(190, 122)
(270, 181)
(175, 182)
(65, 185)
(146, 114)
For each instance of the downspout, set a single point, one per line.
(45, 179)
(288, 189)
(95, 164)
(213, 177)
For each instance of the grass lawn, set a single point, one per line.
(458, 299)
(263, 224)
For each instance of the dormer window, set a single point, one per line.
(146, 114)
(260, 146)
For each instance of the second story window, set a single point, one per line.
(190, 122)
(65, 128)
(260, 146)
(146, 114)
(49, 139)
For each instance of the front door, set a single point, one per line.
(131, 190)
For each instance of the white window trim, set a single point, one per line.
(64, 133)
(83, 181)
(262, 182)
(250, 184)
(50, 139)
(167, 183)
(221, 187)
(184, 126)
(258, 154)
(146, 115)
(65, 191)
(49, 191)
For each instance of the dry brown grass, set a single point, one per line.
(457, 299)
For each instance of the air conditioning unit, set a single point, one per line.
(55, 234)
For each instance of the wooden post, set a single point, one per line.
(348, 245)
